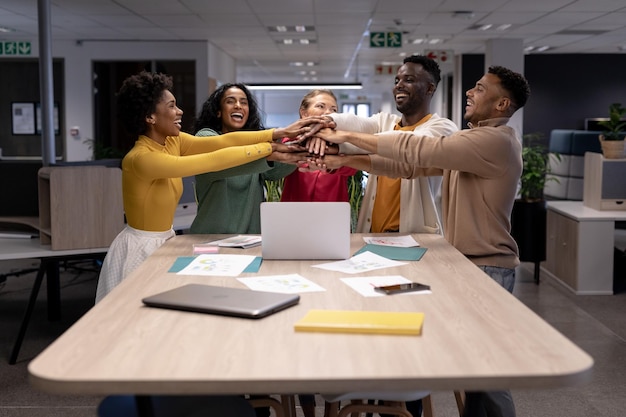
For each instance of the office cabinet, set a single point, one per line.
(562, 248)
(579, 246)
(80, 206)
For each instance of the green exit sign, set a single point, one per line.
(385, 39)
(15, 48)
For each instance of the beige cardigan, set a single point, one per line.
(419, 209)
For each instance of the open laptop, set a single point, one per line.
(305, 230)
(222, 301)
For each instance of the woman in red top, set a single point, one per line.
(317, 185)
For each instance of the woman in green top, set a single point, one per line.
(229, 200)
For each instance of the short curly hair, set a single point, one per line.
(208, 117)
(429, 65)
(514, 83)
(138, 98)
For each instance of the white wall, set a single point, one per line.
(281, 107)
(221, 66)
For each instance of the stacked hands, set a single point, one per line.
(311, 143)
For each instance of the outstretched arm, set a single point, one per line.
(365, 141)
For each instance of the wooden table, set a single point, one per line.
(476, 336)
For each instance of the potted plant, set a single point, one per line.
(528, 219)
(612, 138)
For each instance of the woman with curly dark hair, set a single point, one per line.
(152, 170)
(229, 201)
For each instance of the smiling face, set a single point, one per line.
(234, 110)
(166, 119)
(319, 105)
(486, 100)
(413, 90)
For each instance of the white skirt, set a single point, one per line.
(127, 251)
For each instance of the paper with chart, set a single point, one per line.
(289, 284)
(217, 265)
(406, 241)
(363, 262)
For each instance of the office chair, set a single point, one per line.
(283, 408)
(390, 403)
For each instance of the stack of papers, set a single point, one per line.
(239, 241)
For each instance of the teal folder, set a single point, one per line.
(182, 261)
(394, 252)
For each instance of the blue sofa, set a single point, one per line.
(571, 145)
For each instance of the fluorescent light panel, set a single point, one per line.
(301, 41)
(291, 28)
(356, 86)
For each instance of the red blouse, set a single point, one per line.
(317, 185)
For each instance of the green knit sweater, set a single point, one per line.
(229, 200)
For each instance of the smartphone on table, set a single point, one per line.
(400, 288)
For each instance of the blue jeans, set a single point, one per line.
(503, 276)
(492, 403)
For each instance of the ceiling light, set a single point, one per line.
(491, 26)
(301, 64)
(265, 87)
(531, 48)
(5, 29)
(287, 28)
(431, 41)
(291, 41)
(463, 14)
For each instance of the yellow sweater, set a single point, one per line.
(152, 173)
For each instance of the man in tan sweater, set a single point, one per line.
(481, 167)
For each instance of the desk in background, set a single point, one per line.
(476, 336)
(20, 248)
(579, 246)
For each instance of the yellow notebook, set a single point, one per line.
(343, 321)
